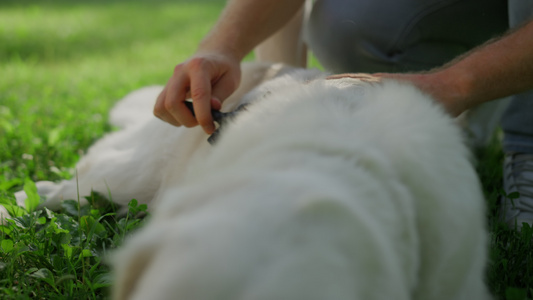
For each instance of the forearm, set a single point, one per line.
(497, 69)
(245, 23)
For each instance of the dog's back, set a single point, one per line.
(331, 189)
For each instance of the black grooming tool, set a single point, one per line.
(220, 118)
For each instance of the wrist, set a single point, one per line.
(227, 50)
(447, 90)
(456, 89)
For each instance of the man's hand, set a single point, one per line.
(371, 78)
(214, 73)
(206, 78)
(436, 85)
(499, 68)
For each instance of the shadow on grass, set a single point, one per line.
(62, 30)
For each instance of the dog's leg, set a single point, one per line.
(131, 163)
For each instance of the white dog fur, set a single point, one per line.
(112, 166)
(322, 189)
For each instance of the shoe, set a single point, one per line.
(480, 123)
(518, 184)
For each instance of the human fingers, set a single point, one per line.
(200, 92)
(212, 81)
(173, 103)
(160, 111)
(216, 104)
(372, 78)
(171, 99)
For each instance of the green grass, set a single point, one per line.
(63, 64)
(510, 270)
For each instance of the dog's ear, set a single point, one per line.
(220, 118)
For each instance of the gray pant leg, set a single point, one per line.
(399, 35)
(517, 122)
(408, 35)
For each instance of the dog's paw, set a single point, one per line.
(44, 189)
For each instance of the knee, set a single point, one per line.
(345, 39)
(398, 35)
